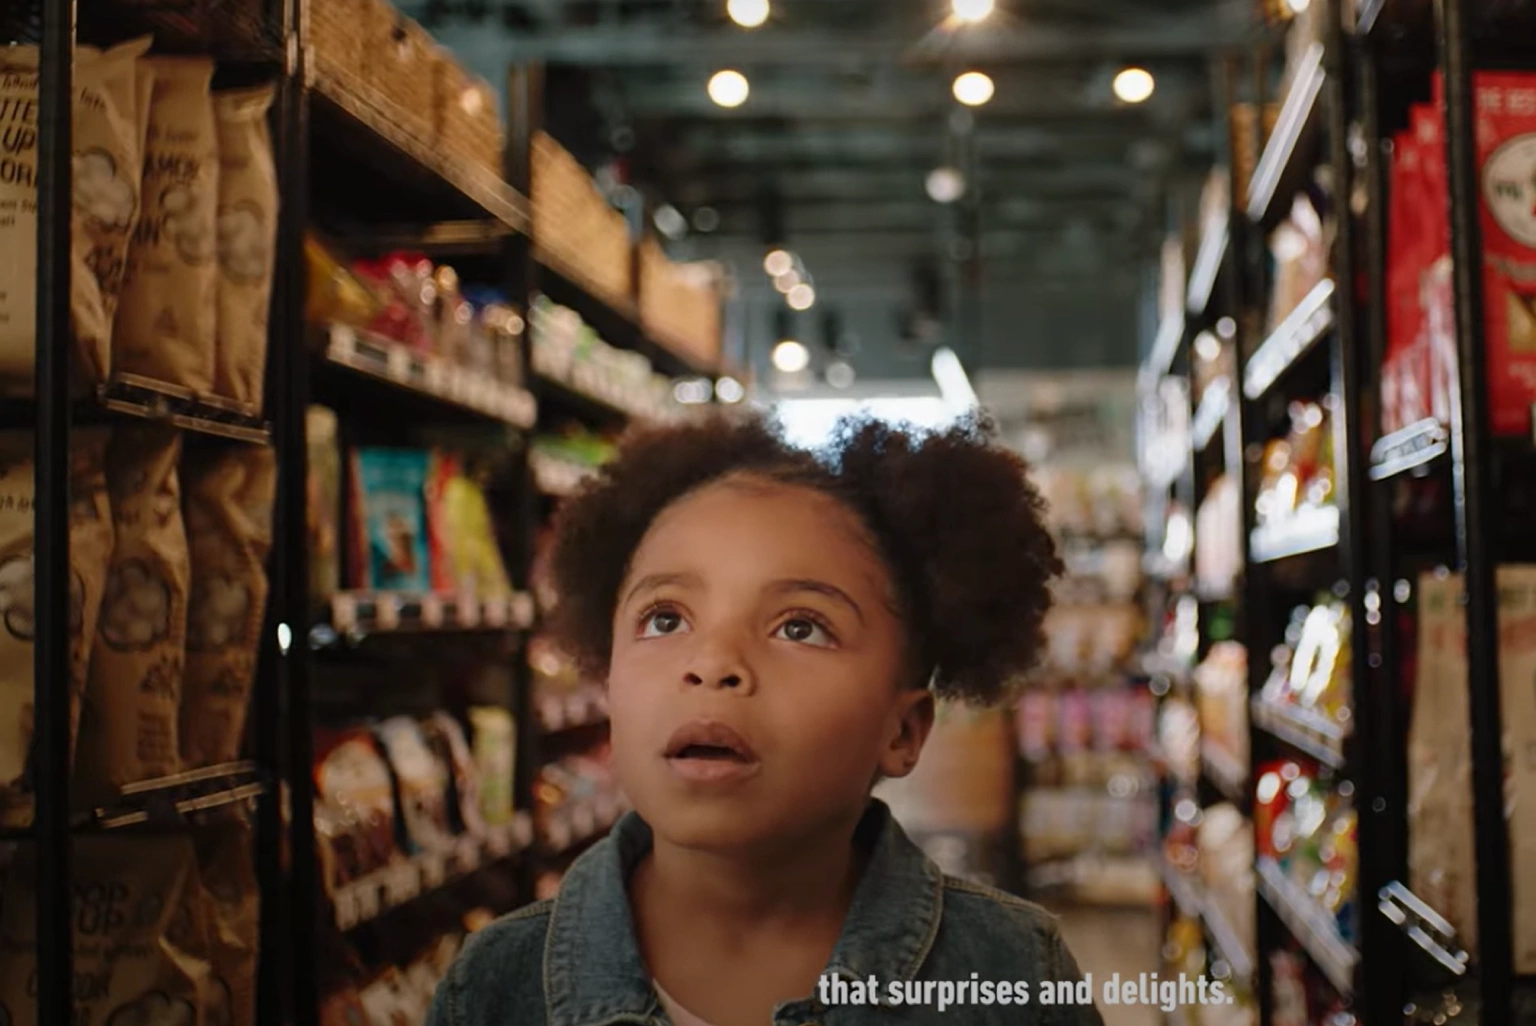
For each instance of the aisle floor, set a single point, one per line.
(1109, 941)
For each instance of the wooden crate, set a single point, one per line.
(573, 223)
(466, 122)
(682, 313)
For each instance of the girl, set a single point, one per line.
(774, 626)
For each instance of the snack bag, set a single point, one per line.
(90, 549)
(107, 162)
(465, 557)
(247, 242)
(229, 495)
(227, 870)
(139, 935)
(323, 507)
(451, 748)
(167, 319)
(354, 807)
(389, 489)
(128, 730)
(421, 787)
(1506, 149)
(495, 750)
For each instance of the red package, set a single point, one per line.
(1506, 154)
(1404, 243)
(1036, 724)
(1076, 722)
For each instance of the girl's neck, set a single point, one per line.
(803, 884)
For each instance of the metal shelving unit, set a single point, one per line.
(318, 119)
(1349, 92)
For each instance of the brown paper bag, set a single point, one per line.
(247, 232)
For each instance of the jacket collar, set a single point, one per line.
(593, 972)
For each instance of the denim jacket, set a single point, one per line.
(574, 961)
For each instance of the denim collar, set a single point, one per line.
(593, 972)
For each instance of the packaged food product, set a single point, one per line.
(128, 730)
(226, 868)
(167, 319)
(323, 506)
(247, 242)
(448, 742)
(390, 525)
(1506, 151)
(465, 558)
(1517, 669)
(229, 495)
(90, 549)
(334, 295)
(134, 923)
(354, 806)
(107, 160)
(495, 750)
(421, 786)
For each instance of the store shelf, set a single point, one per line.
(1226, 773)
(1279, 161)
(1164, 347)
(1302, 729)
(1415, 446)
(1211, 414)
(1310, 924)
(557, 477)
(1293, 339)
(1189, 897)
(573, 710)
(144, 399)
(1314, 530)
(365, 900)
(1430, 931)
(1214, 242)
(352, 118)
(379, 612)
(429, 377)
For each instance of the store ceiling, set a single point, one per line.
(851, 108)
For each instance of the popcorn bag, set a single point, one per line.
(247, 241)
(128, 731)
(90, 547)
(107, 159)
(228, 509)
(166, 320)
(227, 867)
(138, 932)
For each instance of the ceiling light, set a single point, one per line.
(974, 89)
(729, 390)
(1298, 6)
(954, 384)
(802, 297)
(787, 281)
(693, 392)
(945, 185)
(729, 88)
(706, 219)
(778, 263)
(791, 357)
(1134, 85)
(972, 11)
(748, 13)
(840, 374)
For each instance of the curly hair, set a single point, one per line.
(954, 517)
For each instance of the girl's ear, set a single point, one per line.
(913, 720)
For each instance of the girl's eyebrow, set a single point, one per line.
(650, 582)
(831, 591)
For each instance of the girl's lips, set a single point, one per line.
(713, 771)
(710, 752)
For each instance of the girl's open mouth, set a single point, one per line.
(710, 752)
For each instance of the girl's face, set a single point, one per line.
(754, 686)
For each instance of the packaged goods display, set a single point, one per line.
(1442, 862)
(108, 149)
(1296, 487)
(576, 799)
(90, 551)
(494, 749)
(323, 506)
(1219, 541)
(567, 350)
(247, 239)
(167, 319)
(1300, 250)
(1221, 684)
(229, 494)
(574, 224)
(1311, 671)
(130, 722)
(1307, 826)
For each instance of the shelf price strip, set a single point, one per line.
(1310, 925)
(1296, 335)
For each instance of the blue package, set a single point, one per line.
(391, 518)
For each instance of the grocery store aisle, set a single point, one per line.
(1109, 941)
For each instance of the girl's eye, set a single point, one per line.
(660, 622)
(805, 631)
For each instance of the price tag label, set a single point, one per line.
(434, 871)
(522, 830)
(552, 712)
(498, 843)
(343, 611)
(522, 609)
(388, 612)
(559, 833)
(495, 611)
(432, 612)
(369, 899)
(400, 364)
(347, 912)
(403, 883)
(436, 375)
(469, 612)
